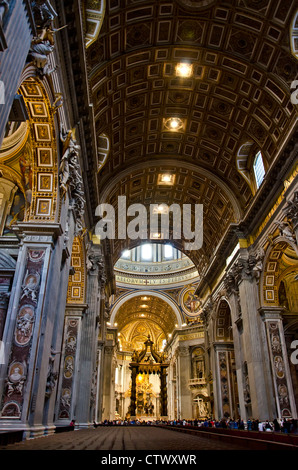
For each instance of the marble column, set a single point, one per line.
(88, 347)
(69, 366)
(28, 336)
(184, 375)
(98, 398)
(133, 392)
(280, 369)
(107, 390)
(56, 358)
(232, 293)
(226, 404)
(254, 353)
(163, 393)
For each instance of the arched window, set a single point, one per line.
(126, 254)
(259, 169)
(146, 252)
(168, 252)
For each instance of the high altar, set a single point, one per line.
(147, 362)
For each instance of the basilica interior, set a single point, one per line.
(160, 105)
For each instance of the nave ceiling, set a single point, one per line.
(236, 102)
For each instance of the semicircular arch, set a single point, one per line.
(132, 295)
(271, 274)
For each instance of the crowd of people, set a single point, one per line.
(286, 426)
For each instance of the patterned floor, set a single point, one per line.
(125, 439)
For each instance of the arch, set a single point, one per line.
(294, 35)
(94, 16)
(29, 156)
(272, 270)
(224, 209)
(223, 322)
(164, 163)
(242, 159)
(123, 299)
(6, 261)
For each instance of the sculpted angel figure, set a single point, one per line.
(285, 230)
(69, 153)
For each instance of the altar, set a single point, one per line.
(144, 403)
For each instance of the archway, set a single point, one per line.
(28, 156)
(280, 310)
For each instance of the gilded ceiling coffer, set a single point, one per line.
(149, 363)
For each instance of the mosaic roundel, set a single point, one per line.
(190, 302)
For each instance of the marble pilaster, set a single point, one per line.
(183, 377)
(88, 348)
(28, 335)
(253, 342)
(280, 369)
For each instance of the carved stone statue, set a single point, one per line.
(70, 178)
(43, 13)
(39, 51)
(256, 263)
(291, 210)
(52, 376)
(43, 44)
(286, 230)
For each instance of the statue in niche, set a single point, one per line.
(202, 408)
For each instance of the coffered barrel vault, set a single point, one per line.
(238, 94)
(136, 111)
